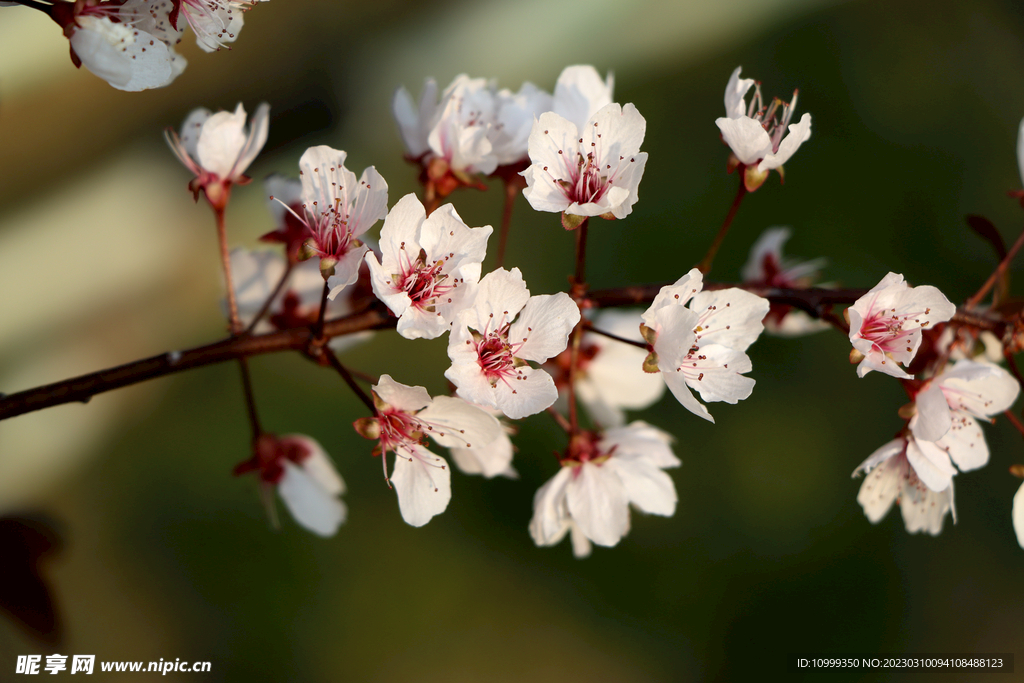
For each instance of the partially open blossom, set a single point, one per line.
(756, 133)
(495, 336)
(304, 477)
(886, 324)
(703, 347)
(950, 404)
(766, 267)
(427, 266)
(218, 149)
(602, 476)
(337, 210)
(130, 46)
(593, 171)
(405, 417)
(609, 373)
(891, 475)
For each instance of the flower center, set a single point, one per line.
(424, 282)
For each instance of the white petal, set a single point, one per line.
(401, 396)
(422, 481)
(521, 398)
(319, 466)
(768, 245)
(932, 419)
(965, 443)
(255, 140)
(254, 275)
(191, 128)
(981, 389)
(99, 56)
(550, 519)
(346, 271)
(457, 424)
(798, 134)
(730, 317)
(649, 488)
(676, 294)
(491, 460)
(580, 93)
(221, 141)
(322, 171)
(1018, 515)
(931, 463)
(384, 288)
(399, 235)
(735, 92)
(599, 504)
(924, 509)
(309, 503)
(643, 442)
(500, 297)
(553, 146)
(581, 547)
(368, 202)
(894, 447)
(747, 138)
(881, 483)
(677, 385)
(543, 326)
(615, 373)
(443, 236)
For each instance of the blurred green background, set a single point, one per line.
(103, 258)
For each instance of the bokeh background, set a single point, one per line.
(104, 258)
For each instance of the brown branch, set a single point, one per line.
(84, 387)
(705, 263)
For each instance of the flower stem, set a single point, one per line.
(250, 399)
(511, 192)
(332, 358)
(580, 278)
(225, 259)
(705, 265)
(579, 290)
(616, 337)
(560, 419)
(997, 273)
(318, 332)
(270, 299)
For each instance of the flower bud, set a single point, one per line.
(367, 427)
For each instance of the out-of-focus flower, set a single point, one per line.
(591, 494)
(215, 22)
(886, 324)
(703, 347)
(593, 171)
(494, 337)
(405, 417)
(337, 210)
(758, 140)
(218, 148)
(892, 474)
(1018, 515)
(580, 93)
(766, 267)
(427, 265)
(514, 117)
(305, 479)
(609, 373)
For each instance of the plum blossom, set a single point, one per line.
(758, 141)
(590, 496)
(892, 474)
(405, 416)
(494, 337)
(886, 324)
(427, 266)
(580, 93)
(703, 347)
(493, 459)
(256, 274)
(1018, 515)
(415, 121)
(131, 46)
(950, 404)
(609, 373)
(337, 210)
(218, 148)
(513, 121)
(766, 267)
(215, 22)
(305, 479)
(593, 171)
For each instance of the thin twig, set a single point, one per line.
(590, 328)
(270, 300)
(997, 273)
(511, 192)
(318, 331)
(250, 399)
(705, 263)
(225, 258)
(1014, 421)
(332, 358)
(560, 419)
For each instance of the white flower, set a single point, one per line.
(609, 374)
(495, 336)
(416, 122)
(337, 210)
(580, 93)
(962, 342)
(493, 459)
(886, 323)
(255, 274)
(767, 268)
(218, 148)
(1018, 515)
(703, 347)
(305, 479)
(892, 474)
(405, 417)
(215, 22)
(461, 134)
(593, 171)
(591, 494)
(514, 117)
(948, 405)
(753, 132)
(427, 265)
(125, 55)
